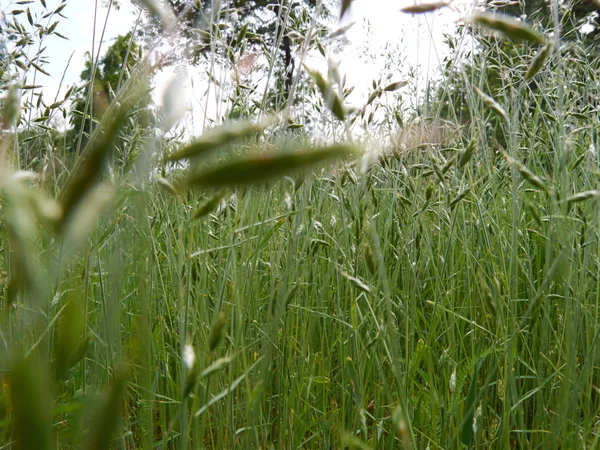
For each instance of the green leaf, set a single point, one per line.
(31, 416)
(163, 14)
(228, 390)
(426, 7)
(69, 330)
(527, 174)
(271, 232)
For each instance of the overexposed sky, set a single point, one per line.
(383, 42)
(386, 41)
(79, 29)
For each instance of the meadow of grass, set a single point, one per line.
(443, 296)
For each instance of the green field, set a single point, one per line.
(433, 284)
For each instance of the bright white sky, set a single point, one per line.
(417, 40)
(79, 29)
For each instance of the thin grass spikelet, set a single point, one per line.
(538, 61)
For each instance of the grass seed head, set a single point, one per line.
(508, 26)
(216, 332)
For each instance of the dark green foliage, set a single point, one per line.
(440, 292)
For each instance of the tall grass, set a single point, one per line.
(444, 296)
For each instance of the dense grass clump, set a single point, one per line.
(439, 290)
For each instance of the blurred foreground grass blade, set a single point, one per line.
(31, 406)
(426, 7)
(92, 166)
(258, 168)
(80, 351)
(221, 137)
(26, 273)
(166, 185)
(507, 26)
(332, 99)
(68, 336)
(538, 61)
(210, 204)
(353, 443)
(93, 163)
(159, 11)
(173, 102)
(10, 111)
(401, 426)
(105, 422)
